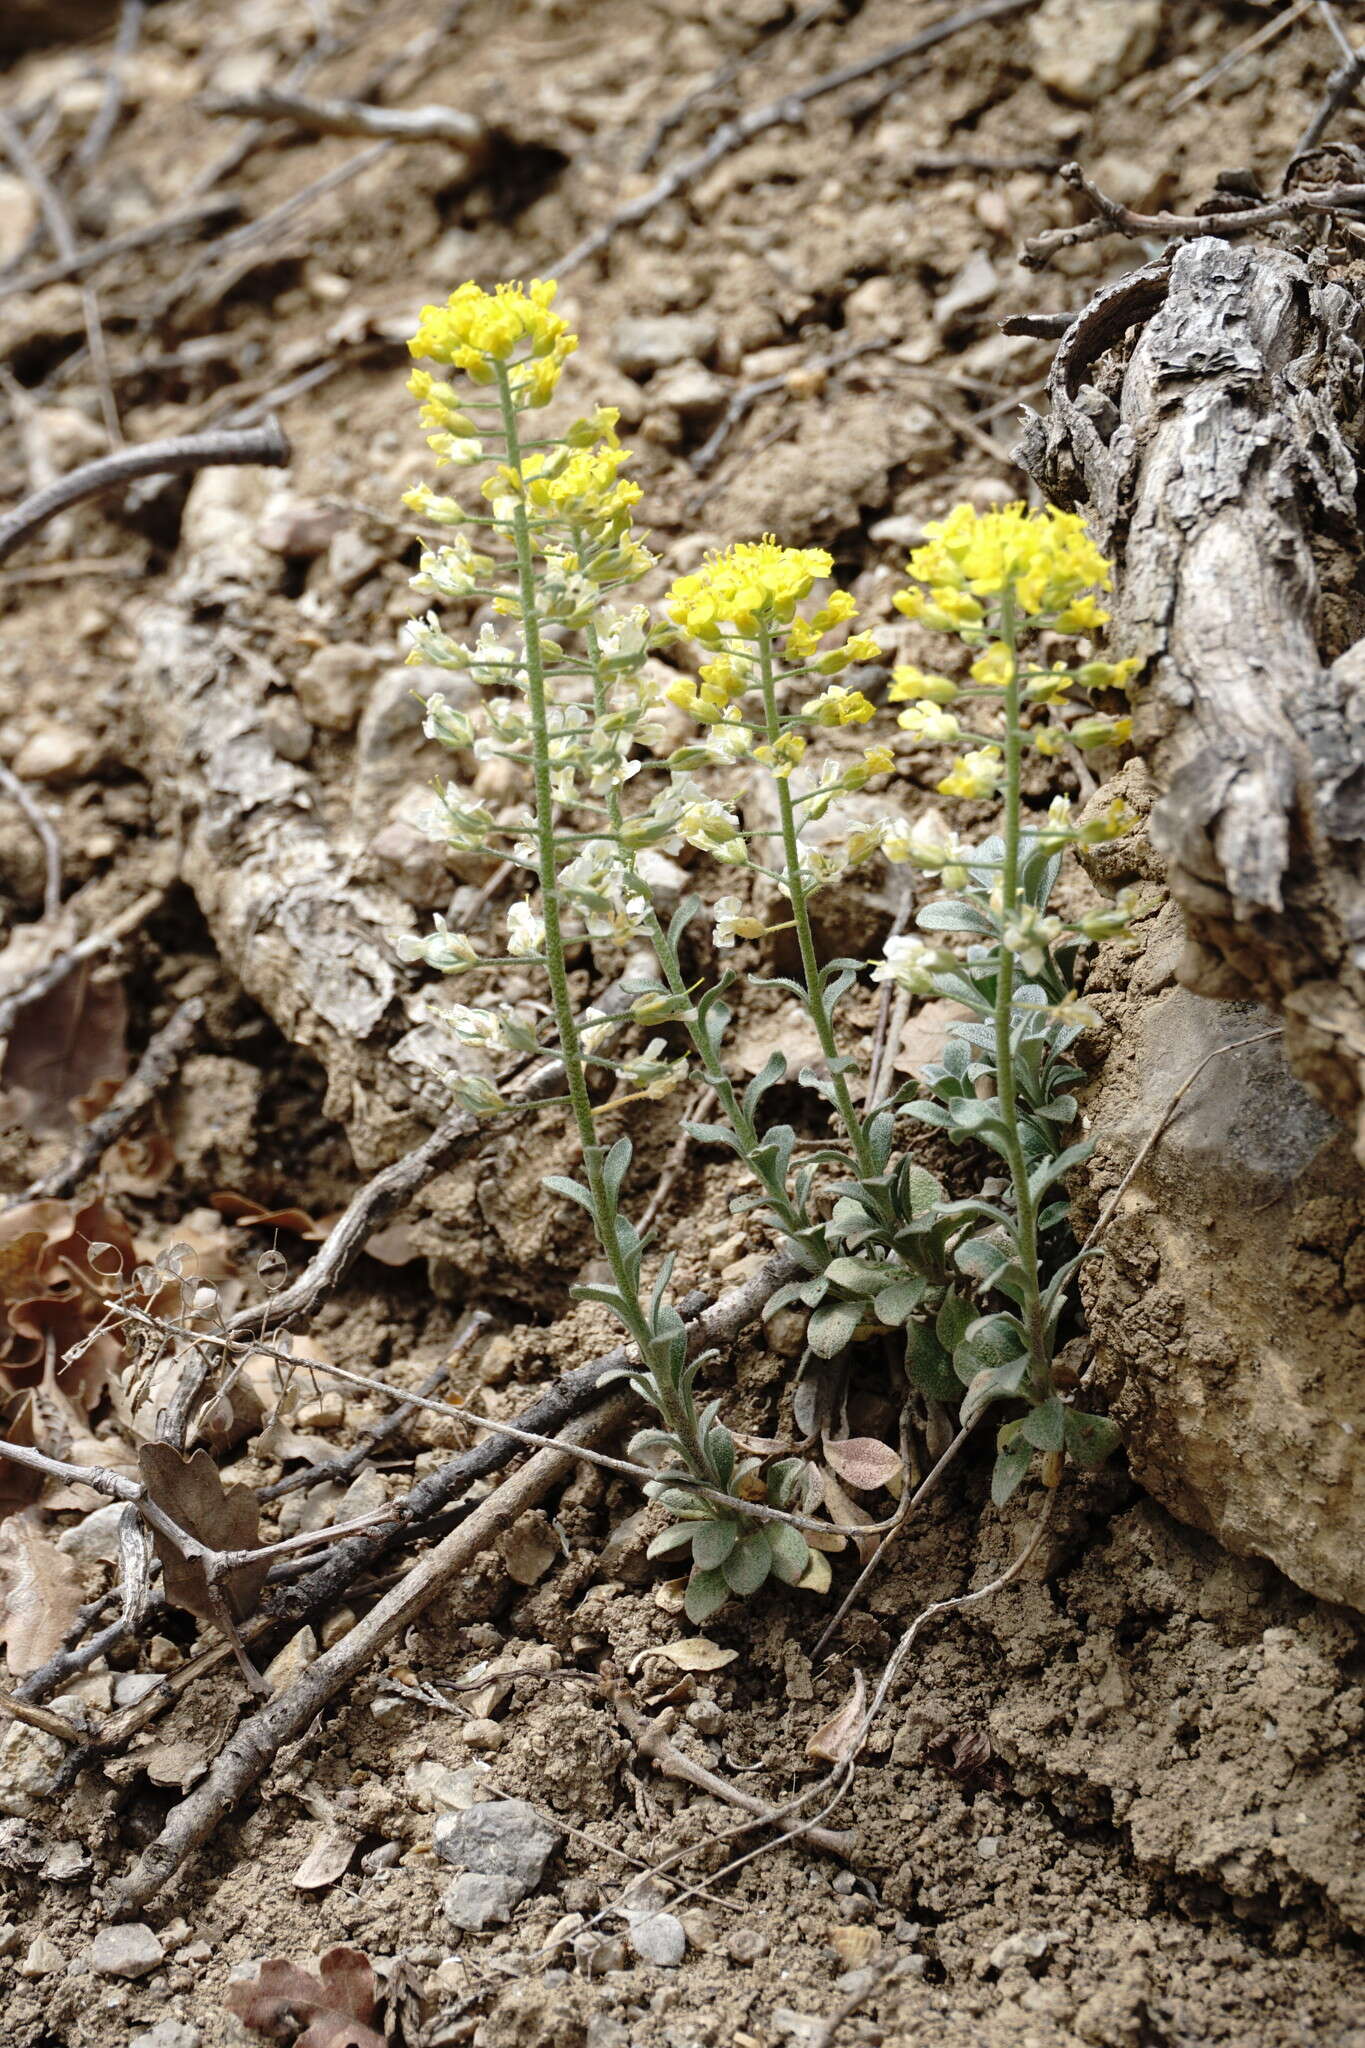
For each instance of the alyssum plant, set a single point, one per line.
(977, 1289)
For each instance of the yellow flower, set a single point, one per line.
(910, 683)
(879, 760)
(1049, 739)
(1082, 615)
(929, 722)
(1046, 558)
(783, 755)
(994, 668)
(975, 774)
(476, 329)
(751, 586)
(1051, 687)
(839, 705)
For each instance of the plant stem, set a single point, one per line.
(1004, 1015)
(796, 891)
(674, 1409)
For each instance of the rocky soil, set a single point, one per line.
(1122, 1802)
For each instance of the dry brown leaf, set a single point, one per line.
(845, 1512)
(863, 1462)
(192, 1493)
(327, 1860)
(338, 2002)
(61, 1047)
(174, 1763)
(40, 1593)
(254, 1215)
(832, 1742)
(139, 1165)
(696, 1653)
(529, 1548)
(817, 1575)
(855, 1946)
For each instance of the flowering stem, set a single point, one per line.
(674, 1409)
(675, 981)
(796, 890)
(1025, 1207)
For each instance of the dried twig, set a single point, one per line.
(42, 1718)
(786, 112)
(175, 227)
(1113, 218)
(1267, 33)
(726, 75)
(742, 402)
(53, 208)
(349, 117)
(165, 1050)
(652, 1741)
(258, 1741)
(47, 834)
(96, 138)
(36, 985)
(696, 1113)
(1343, 84)
(568, 1397)
(265, 445)
(347, 1463)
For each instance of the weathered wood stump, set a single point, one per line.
(1206, 412)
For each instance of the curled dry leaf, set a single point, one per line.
(192, 1493)
(863, 1462)
(255, 1216)
(40, 1593)
(833, 1740)
(327, 1860)
(338, 2002)
(696, 1653)
(52, 1287)
(845, 1512)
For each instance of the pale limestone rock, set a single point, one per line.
(1084, 49)
(1229, 1313)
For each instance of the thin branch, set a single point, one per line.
(1266, 33)
(36, 985)
(164, 1053)
(787, 112)
(47, 834)
(1113, 218)
(174, 227)
(53, 208)
(265, 445)
(1341, 86)
(349, 117)
(652, 1741)
(726, 75)
(96, 138)
(259, 1740)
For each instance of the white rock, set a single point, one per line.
(128, 1949)
(56, 752)
(18, 215)
(1084, 49)
(474, 1901)
(642, 344)
(333, 684)
(658, 1937)
(292, 1661)
(435, 1787)
(168, 2034)
(94, 1539)
(42, 1959)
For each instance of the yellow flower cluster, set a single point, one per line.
(1046, 558)
(838, 705)
(751, 586)
(476, 329)
(580, 484)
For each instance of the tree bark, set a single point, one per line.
(1205, 413)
